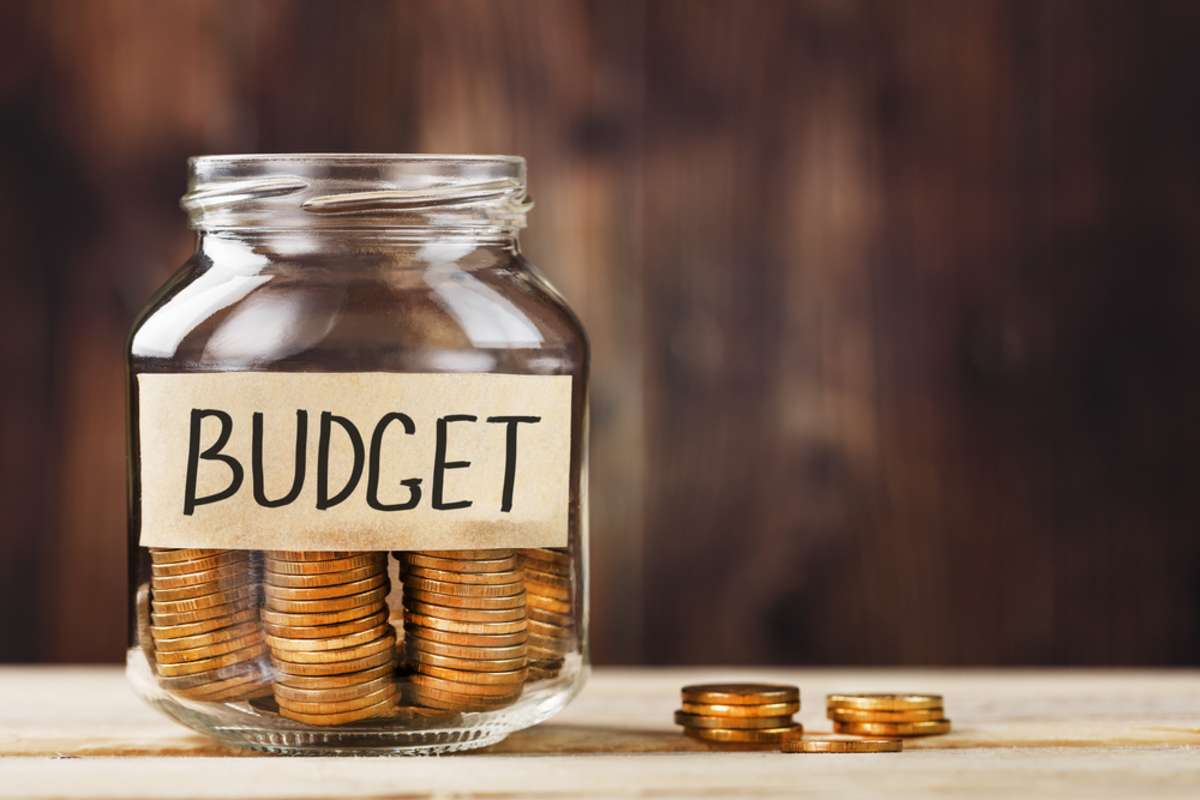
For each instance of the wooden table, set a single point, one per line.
(81, 732)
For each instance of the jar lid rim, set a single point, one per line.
(357, 157)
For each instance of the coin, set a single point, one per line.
(387, 656)
(273, 592)
(327, 631)
(202, 614)
(511, 589)
(884, 702)
(287, 619)
(554, 646)
(308, 555)
(204, 639)
(455, 701)
(732, 723)
(472, 578)
(465, 614)
(761, 710)
(537, 628)
(547, 558)
(424, 658)
(465, 652)
(453, 626)
(546, 578)
(244, 691)
(502, 678)
(200, 564)
(336, 681)
(194, 680)
(338, 706)
(335, 694)
(741, 736)
(329, 603)
(383, 709)
(160, 632)
(740, 694)
(159, 555)
(281, 567)
(205, 664)
(462, 565)
(472, 689)
(465, 601)
(248, 681)
(927, 728)
(331, 642)
(562, 594)
(207, 651)
(859, 715)
(320, 579)
(469, 639)
(824, 744)
(550, 618)
(238, 571)
(205, 601)
(201, 589)
(550, 604)
(466, 554)
(386, 643)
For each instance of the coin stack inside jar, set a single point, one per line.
(739, 713)
(465, 628)
(204, 624)
(887, 714)
(551, 615)
(325, 619)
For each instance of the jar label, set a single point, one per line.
(354, 461)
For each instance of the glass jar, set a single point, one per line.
(358, 485)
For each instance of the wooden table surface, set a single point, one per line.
(79, 731)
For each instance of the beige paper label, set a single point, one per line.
(354, 461)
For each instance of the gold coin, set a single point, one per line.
(503, 678)
(929, 727)
(205, 639)
(537, 628)
(202, 614)
(202, 589)
(195, 680)
(328, 604)
(543, 673)
(383, 709)
(159, 555)
(465, 601)
(884, 702)
(534, 600)
(465, 554)
(206, 600)
(453, 626)
(465, 652)
(205, 664)
(475, 578)
(465, 614)
(912, 715)
(336, 694)
(546, 556)
(534, 569)
(741, 736)
(235, 571)
(457, 701)
(353, 653)
(554, 646)
(824, 744)
(545, 590)
(761, 710)
(423, 681)
(461, 565)
(338, 706)
(207, 651)
(546, 578)
(421, 658)
(286, 619)
(740, 694)
(321, 579)
(338, 681)
(468, 639)
(243, 681)
(200, 564)
(731, 723)
(325, 592)
(280, 567)
(310, 555)
(246, 691)
(550, 618)
(386, 656)
(416, 582)
(330, 643)
(161, 632)
(327, 631)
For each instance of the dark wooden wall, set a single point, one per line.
(893, 304)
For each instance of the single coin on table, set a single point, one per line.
(870, 701)
(931, 727)
(828, 744)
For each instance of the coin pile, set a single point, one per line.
(887, 714)
(739, 713)
(465, 628)
(204, 624)
(325, 619)
(551, 616)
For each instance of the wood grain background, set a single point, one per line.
(893, 304)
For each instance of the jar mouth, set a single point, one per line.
(472, 195)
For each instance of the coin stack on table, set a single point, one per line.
(203, 620)
(887, 714)
(740, 713)
(325, 618)
(551, 617)
(465, 628)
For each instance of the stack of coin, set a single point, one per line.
(887, 714)
(465, 628)
(325, 617)
(739, 713)
(551, 614)
(204, 623)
